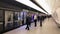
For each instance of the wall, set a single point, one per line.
(56, 11)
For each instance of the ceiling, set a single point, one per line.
(45, 6)
(31, 6)
(49, 5)
(53, 4)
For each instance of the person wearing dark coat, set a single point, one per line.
(28, 22)
(38, 18)
(41, 19)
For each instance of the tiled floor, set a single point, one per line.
(49, 27)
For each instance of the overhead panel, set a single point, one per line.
(44, 4)
(31, 4)
(38, 5)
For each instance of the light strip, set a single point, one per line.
(44, 4)
(30, 4)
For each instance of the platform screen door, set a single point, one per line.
(1, 20)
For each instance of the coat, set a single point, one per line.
(28, 20)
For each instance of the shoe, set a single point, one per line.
(25, 28)
(35, 26)
(28, 29)
(40, 25)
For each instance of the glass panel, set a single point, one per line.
(16, 20)
(8, 20)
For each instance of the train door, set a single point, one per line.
(8, 20)
(1, 21)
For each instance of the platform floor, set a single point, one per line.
(49, 27)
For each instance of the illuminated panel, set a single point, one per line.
(44, 4)
(30, 4)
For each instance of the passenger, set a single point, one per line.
(38, 18)
(35, 20)
(41, 17)
(28, 21)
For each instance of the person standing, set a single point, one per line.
(28, 21)
(41, 19)
(35, 20)
(38, 18)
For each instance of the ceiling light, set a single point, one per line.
(44, 4)
(30, 4)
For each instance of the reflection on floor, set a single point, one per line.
(49, 27)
